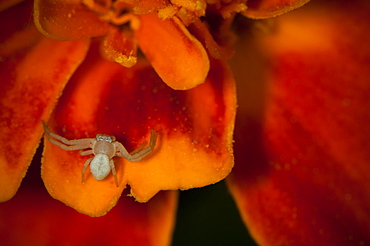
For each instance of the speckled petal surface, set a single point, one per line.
(195, 128)
(32, 78)
(176, 55)
(67, 20)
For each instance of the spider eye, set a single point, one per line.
(108, 139)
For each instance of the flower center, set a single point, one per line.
(115, 12)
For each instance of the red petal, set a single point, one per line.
(5, 4)
(194, 127)
(33, 217)
(67, 20)
(302, 169)
(177, 56)
(261, 9)
(32, 78)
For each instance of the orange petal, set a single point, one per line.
(302, 169)
(31, 80)
(143, 7)
(261, 9)
(33, 216)
(120, 46)
(194, 146)
(67, 20)
(177, 56)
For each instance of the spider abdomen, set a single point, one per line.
(100, 167)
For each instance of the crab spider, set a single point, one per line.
(104, 148)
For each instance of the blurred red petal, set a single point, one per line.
(32, 78)
(194, 146)
(33, 217)
(302, 169)
(5, 4)
(261, 9)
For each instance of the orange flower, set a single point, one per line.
(153, 25)
(194, 146)
(300, 176)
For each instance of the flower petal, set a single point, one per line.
(67, 20)
(261, 9)
(5, 4)
(33, 216)
(32, 79)
(177, 56)
(202, 33)
(302, 170)
(143, 7)
(194, 145)
(120, 46)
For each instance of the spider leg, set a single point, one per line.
(111, 163)
(72, 147)
(63, 143)
(138, 149)
(71, 142)
(86, 152)
(139, 154)
(84, 169)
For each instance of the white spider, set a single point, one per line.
(104, 148)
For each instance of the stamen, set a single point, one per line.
(99, 8)
(109, 12)
(122, 19)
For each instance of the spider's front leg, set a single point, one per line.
(77, 144)
(138, 154)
